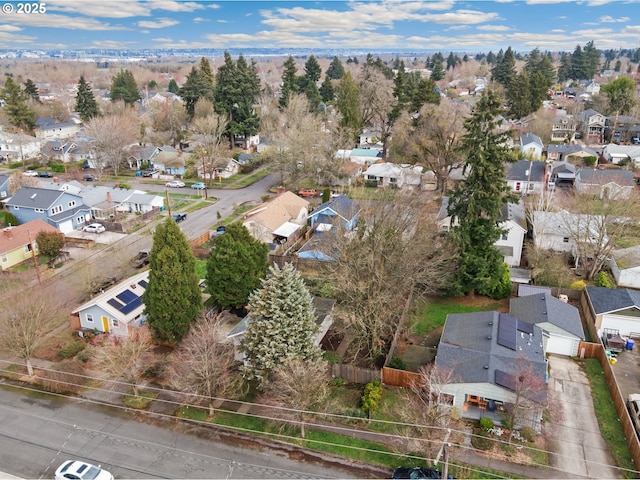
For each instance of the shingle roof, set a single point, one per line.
(525, 170)
(605, 300)
(542, 308)
(18, 236)
(278, 210)
(515, 213)
(342, 205)
(31, 197)
(528, 138)
(623, 178)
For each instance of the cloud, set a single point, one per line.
(493, 28)
(158, 23)
(174, 6)
(56, 21)
(9, 28)
(200, 19)
(100, 8)
(163, 39)
(8, 39)
(111, 44)
(609, 19)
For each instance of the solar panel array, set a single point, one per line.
(525, 327)
(507, 331)
(127, 301)
(505, 379)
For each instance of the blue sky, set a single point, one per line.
(447, 25)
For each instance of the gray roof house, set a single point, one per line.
(557, 152)
(527, 176)
(608, 183)
(63, 210)
(612, 308)
(482, 350)
(560, 322)
(625, 266)
(531, 146)
(4, 186)
(105, 201)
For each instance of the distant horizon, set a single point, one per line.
(384, 26)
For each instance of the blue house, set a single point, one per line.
(340, 211)
(63, 210)
(4, 186)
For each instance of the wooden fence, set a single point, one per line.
(399, 378)
(596, 350)
(354, 374)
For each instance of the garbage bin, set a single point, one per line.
(630, 343)
(138, 174)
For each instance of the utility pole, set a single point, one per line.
(33, 256)
(443, 451)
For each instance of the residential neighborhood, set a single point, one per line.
(245, 246)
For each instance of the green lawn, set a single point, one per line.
(432, 314)
(201, 268)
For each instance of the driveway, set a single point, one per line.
(579, 449)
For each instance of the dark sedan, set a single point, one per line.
(417, 473)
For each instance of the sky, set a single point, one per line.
(440, 25)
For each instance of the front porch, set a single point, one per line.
(476, 407)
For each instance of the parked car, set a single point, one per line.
(94, 228)
(45, 174)
(634, 409)
(77, 470)
(175, 184)
(635, 140)
(308, 192)
(220, 230)
(98, 284)
(199, 186)
(141, 259)
(178, 217)
(149, 172)
(30, 173)
(89, 178)
(417, 473)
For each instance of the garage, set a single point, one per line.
(625, 325)
(562, 345)
(66, 227)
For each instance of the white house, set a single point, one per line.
(51, 129)
(387, 174)
(277, 220)
(527, 177)
(17, 146)
(531, 146)
(615, 153)
(608, 183)
(625, 266)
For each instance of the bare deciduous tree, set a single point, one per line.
(167, 123)
(123, 357)
(209, 131)
(203, 364)
(300, 386)
(392, 253)
(26, 317)
(111, 135)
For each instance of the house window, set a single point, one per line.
(531, 186)
(565, 239)
(39, 210)
(5, 259)
(79, 219)
(518, 186)
(89, 318)
(505, 236)
(115, 323)
(72, 203)
(27, 248)
(56, 209)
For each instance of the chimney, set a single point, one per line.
(7, 232)
(281, 190)
(108, 196)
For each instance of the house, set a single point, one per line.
(170, 161)
(348, 172)
(68, 151)
(18, 244)
(105, 202)
(592, 125)
(557, 152)
(616, 153)
(53, 129)
(118, 309)
(18, 146)
(279, 220)
(563, 127)
(612, 308)
(560, 322)
(607, 183)
(4, 186)
(363, 156)
(387, 174)
(370, 138)
(592, 88)
(527, 177)
(141, 156)
(624, 264)
(620, 128)
(483, 350)
(228, 167)
(63, 210)
(340, 212)
(322, 246)
(323, 310)
(563, 231)
(561, 172)
(531, 146)
(513, 222)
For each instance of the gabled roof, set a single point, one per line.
(627, 257)
(515, 213)
(571, 149)
(122, 301)
(66, 214)
(30, 197)
(476, 346)
(595, 176)
(277, 211)
(3, 179)
(545, 308)
(608, 300)
(18, 236)
(322, 246)
(343, 206)
(525, 170)
(365, 152)
(96, 194)
(528, 138)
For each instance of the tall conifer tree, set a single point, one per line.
(86, 105)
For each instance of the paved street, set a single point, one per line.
(39, 432)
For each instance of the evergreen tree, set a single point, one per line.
(19, 113)
(578, 64)
(235, 267)
(172, 299)
(206, 71)
(491, 58)
(452, 61)
(519, 96)
(348, 104)
(327, 92)
(312, 70)
(505, 68)
(622, 95)
(289, 82)
(591, 60)
(173, 86)
(437, 73)
(538, 88)
(86, 105)
(195, 87)
(477, 201)
(400, 91)
(282, 323)
(313, 96)
(424, 93)
(336, 69)
(565, 68)
(31, 89)
(124, 87)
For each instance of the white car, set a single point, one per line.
(77, 470)
(94, 228)
(175, 183)
(30, 173)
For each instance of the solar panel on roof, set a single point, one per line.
(115, 303)
(130, 307)
(505, 379)
(143, 283)
(507, 331)
(525, 327)
(127, 296)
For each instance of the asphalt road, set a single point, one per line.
(38, 433)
